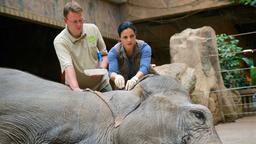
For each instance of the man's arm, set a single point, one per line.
(70, 77)
(102, 49)
(104, 62)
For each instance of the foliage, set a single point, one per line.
(246, 2)
(230, 58)
(252, 71)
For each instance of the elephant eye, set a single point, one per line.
(200, 115)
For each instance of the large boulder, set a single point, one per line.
(180, 72)
(197, 48)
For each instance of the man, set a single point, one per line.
(77, 47)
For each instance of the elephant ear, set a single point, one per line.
(121, 103)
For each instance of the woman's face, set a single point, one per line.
(128, 39)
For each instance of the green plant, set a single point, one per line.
(252, 71)
(246, 2)
(230, 58)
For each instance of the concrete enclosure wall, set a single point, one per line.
(50, 12)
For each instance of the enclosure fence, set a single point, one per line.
(245, 102)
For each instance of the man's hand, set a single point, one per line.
(131, 83)
(119, 81)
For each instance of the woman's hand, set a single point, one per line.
(119, 81)
(131, 83)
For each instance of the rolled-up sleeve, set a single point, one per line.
(63, 55)
(145, 58)
(113, 61)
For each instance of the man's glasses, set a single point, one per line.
(81, 21)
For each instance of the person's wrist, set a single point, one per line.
(101, 67)
(77, 89)
(135, 78)
(118, 76)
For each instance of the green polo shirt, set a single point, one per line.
(82, 54)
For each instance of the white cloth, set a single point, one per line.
(119, 81)
(131, 83)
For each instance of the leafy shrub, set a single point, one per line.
(246, 2)
(230, 56)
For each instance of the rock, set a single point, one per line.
(181, 72)
(197, 49)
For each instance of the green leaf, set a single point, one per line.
(230, 58)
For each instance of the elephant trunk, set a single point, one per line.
(214, 138)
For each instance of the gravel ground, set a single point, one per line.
(242, 131)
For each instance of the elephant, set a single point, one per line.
(157, 110)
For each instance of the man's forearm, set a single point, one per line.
(70, 77)
(104, 62)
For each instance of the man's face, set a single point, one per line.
(74, 22)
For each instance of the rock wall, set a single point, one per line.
(147, 9)
(50, 12)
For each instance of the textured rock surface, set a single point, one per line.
(197, 48)
(181, 72)
(104, 14)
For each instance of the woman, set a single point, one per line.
(129, 59)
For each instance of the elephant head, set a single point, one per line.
(166, 116)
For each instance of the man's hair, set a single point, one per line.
(72, 6)
(125, 25)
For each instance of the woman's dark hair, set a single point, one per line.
(125, 25)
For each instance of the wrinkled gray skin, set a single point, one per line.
(157, 111)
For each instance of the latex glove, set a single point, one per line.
(131, 83)
(119, 81)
